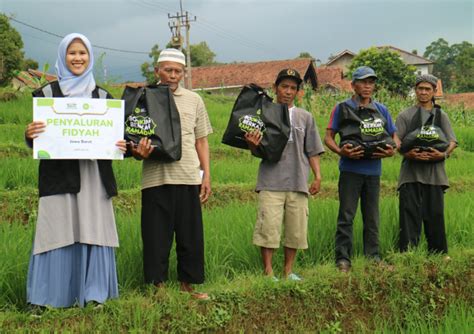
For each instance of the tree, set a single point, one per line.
(305, 54)
(201, 55)
(440, 52)
(11, 55)
(393, 74)
(29, 64)
(453, 64)
(464, 69)
(148, 70)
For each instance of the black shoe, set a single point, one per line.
(343, 265)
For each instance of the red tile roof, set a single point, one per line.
(439, 88)
(39, 74)
(237, 75)
(466, 99)
(27, 79)
(332, 77)
(31, 77)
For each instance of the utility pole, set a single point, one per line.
(178, 21)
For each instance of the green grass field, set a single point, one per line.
(422, 294)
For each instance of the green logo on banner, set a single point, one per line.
(44, 102)
(114, 104)
(43, 155)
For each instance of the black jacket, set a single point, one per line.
(62, 176)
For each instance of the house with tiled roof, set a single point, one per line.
(342, 60)
(235, 76)
(31, 78)
(423, 65)
(332, 79)
(232, 77)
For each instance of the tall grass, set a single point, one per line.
(17, 111)
(457, 318)
(228, 242)
(19, 169)
(465, 137)
(12, 134)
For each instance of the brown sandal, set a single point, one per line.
(200, 295)
(187, 287)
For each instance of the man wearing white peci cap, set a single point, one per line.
(172, 193)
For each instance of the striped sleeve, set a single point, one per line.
(334, 119)
(203, 124)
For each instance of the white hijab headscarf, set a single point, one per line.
(73, 85)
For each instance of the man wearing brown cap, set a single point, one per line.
(283, 186)
(423, 178)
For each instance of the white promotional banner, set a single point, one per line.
(78, 128)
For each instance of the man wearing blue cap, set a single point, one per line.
(359, 176)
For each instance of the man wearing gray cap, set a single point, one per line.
(172, 193)
(423, 178)
(359, 177)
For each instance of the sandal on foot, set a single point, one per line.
(293, 277)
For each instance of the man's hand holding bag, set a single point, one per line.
(254, 112)
(152, 122)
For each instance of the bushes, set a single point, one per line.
(8, 94)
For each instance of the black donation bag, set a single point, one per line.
(425, 136)
(151, 112)
(255, 110)
(363, 127)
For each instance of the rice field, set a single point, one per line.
(232, 263)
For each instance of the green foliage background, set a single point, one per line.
(11, 54)
(392, 73)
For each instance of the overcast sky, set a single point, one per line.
(245, 30)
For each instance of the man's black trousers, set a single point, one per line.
(167, 211)
(353, 186)
(422, 204)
